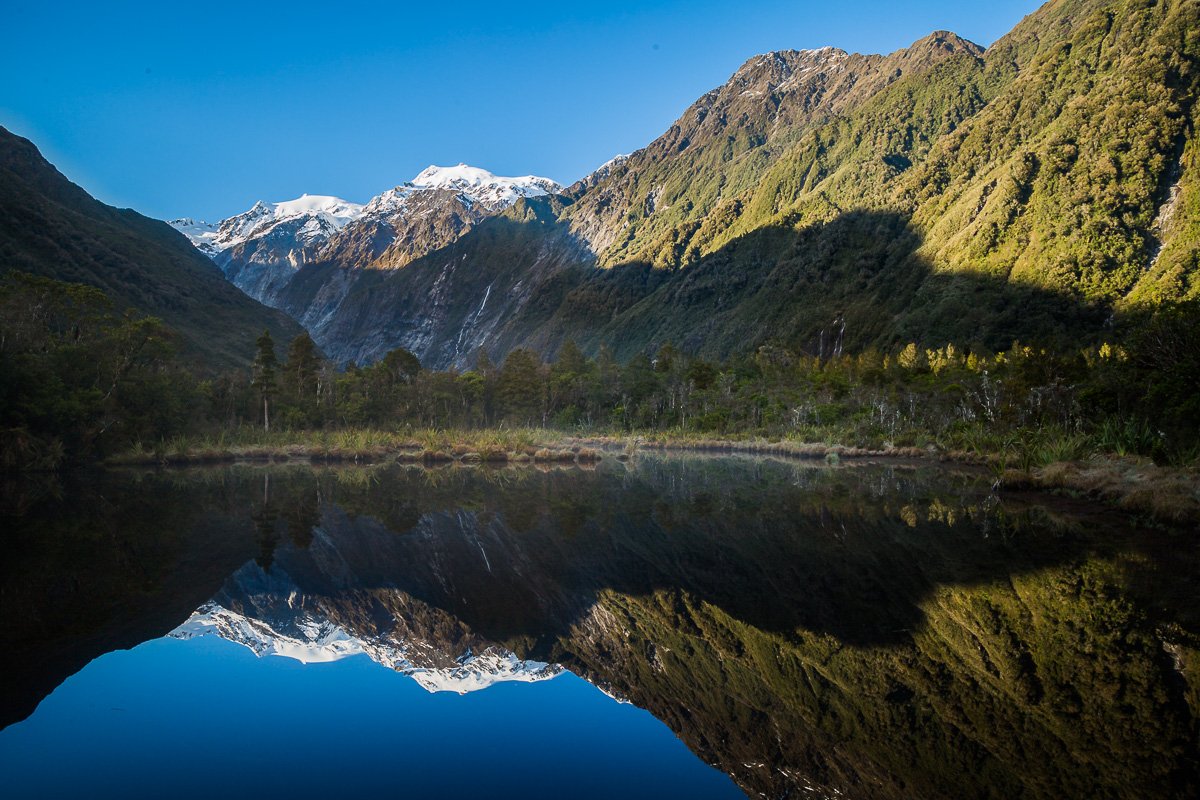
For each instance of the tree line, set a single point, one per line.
(79, 380)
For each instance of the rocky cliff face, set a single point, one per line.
(260, 249)
(264, 251)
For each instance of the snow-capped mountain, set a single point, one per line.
(311, 639)
(201, 234)
(481, 186)
(311, 219)
(471, 185)
(321, 215)
(261, 249)
(314, 219)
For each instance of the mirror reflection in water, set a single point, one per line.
(866, 630)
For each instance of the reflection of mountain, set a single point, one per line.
(873, 632)
(277, 619)
(877, 631)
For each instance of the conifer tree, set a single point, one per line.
(264, 382)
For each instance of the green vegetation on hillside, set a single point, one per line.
(1029, 193)
(1044, 190)
(52, 228)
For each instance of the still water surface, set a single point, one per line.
(699, 627)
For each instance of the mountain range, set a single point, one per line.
(1039, 188)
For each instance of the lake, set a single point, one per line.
(685, 626)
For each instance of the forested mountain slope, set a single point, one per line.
(51, 227)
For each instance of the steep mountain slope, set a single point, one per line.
(259, 249)
(722, 145)
(1035, 190)
(51, 227)
(988, 199)
(444, 306)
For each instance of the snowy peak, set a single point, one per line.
(305, 225)
(200, 233)
(312, 219)
(482, 186)
(327, 213)
(390, 202)
(309, 204)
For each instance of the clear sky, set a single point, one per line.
(199, 109)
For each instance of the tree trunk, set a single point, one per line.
(266, 416)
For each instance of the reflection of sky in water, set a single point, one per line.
(207, 718)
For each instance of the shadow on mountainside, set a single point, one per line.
(523, 279)
(858, 280)
(780, 546)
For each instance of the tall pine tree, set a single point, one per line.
(264, 381)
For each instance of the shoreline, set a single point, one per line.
(1168, 495)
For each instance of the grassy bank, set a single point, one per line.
(362, 446)
(1165, 494)
(484, 445)
(1071, 464)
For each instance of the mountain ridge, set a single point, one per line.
(51, 227)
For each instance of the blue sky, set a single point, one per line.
(199, 109)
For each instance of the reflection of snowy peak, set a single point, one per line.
(481, 670)
(314, 642)
(308, 638)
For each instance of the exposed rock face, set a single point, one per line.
(263, 250)
(259, 249)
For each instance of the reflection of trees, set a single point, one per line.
(105, 561)
(301, 517)
(266, 519)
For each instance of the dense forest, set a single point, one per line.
(80, 382)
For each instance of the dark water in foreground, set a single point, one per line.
(676, 627)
